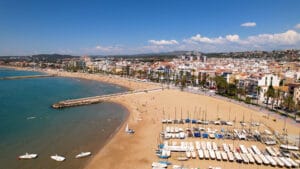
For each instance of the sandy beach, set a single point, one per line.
(138, 150)
(146, 112)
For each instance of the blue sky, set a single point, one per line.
(140, 26)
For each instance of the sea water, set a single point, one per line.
(29, 124)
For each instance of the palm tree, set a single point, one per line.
(289, 102)
(258, 88)
(277, 96)
(183, 82)
(193, 77)
(270, 94)
(221, 84)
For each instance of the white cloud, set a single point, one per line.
(225, 43)
(248, 24)
(297, 26)
(289, 37)
(163, 42)
(203, 39)
(284, 40)
(233, 38)
(107, 48)
(219, 40)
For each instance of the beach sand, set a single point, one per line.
(130, 84)
(146, 112)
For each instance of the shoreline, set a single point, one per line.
(109, 79)
(113, 134)
(144, 116)
(128, 113)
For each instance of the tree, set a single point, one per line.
(270, 94)
(193, 77)
(221, 84)
(258, 88)
(183, 82)
(248, 100)
(289, 103)
(204, 80)
(277, 96)
(231, 90)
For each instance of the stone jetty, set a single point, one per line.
(95, 99)
(26, 77)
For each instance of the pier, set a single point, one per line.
(27, 77)
(96, 99)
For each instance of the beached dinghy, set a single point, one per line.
(83, 154)
(128, 130)
(58, 158)
(27, 156)
(224, 156)
(159, 165)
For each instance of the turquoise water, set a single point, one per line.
(29, 124)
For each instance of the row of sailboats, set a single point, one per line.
(55, 157)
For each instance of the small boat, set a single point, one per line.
(289, 147)
(244, 158)
(203, 145)
(214, 146)
(225, 147)
(230, 156)
(58, 158)
(279, 162)
(270, 151)
(193, 154)
(160, 165)
(212, 154)
(224, 156)
(237, 157)
(206, 154)
(257, 159)
(128, 130)
(218, 155)
(27, 156)
(182, 158)
(83, 154)
(212, 136)
(188, 154)
(271, 160)
(286, 163)
(251, 159)
(201, 154)
(30, 118)
(264, 159)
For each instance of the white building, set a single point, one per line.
(264, 82)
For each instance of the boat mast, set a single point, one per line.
(175, 114)
(218, 112)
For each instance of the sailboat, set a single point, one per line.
(128, 130)
(83, 154)
(57, 158)
(27, 156)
